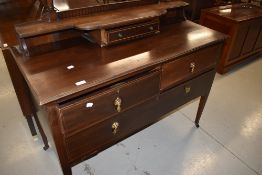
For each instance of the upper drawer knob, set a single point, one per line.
(192, 67)
(151, 28)
(120, 35)
(118, 103)
(187, 89)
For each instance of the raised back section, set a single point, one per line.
(83, 11)
(62, 9)
(45, 36)
(48, 42)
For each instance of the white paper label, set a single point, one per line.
(79, 83)
(70, 67)
(89, 105)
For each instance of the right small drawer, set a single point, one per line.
(189, 66)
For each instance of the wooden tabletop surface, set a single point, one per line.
(50, 79)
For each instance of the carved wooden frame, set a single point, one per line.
(54, 14)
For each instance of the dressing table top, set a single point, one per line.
(50, 80)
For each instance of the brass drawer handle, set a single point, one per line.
(120, 35)
(187, 89)
(118, 103)
(192, 67)
(115, 127)
(151, 28)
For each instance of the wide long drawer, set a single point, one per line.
(189, 66)
(118, 127)
(83, 113)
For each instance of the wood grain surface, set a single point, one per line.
(102, 66)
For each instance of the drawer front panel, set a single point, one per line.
(188, 91)
(116, 128)
(81, 114)
(189, 66)
(97, 137)
(133, 31)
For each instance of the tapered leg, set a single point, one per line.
(42, 133)
(202, 103)
(21, 89)
(31, 125)
(67, 170)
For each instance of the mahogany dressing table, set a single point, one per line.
(101, 74)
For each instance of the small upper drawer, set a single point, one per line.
(188, 66)
(105, 37)
(133, 31)
(82, 113)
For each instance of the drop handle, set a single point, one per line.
(187, 89)
(115, 127)
(118, 103)
(192, 67)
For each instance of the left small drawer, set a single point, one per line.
(81, 114)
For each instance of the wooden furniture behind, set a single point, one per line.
(193, 11)
(93, 96)
(243, 23)
(255, 2)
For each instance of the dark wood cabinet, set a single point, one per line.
(93, 96)
(243, 23)
(127, 88)
(193, 11)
